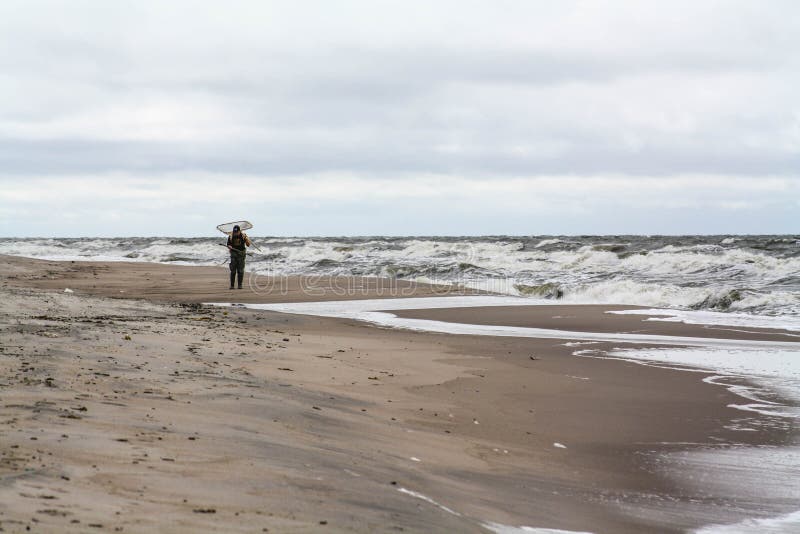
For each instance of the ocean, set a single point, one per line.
(757, 275)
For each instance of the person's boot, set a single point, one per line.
(233, 279)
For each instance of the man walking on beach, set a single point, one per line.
(237, 242)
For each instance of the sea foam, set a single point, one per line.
(754, 274)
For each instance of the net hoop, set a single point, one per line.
(227, 228)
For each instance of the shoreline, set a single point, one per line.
(158, 282)
(593, 318)
(311, 419)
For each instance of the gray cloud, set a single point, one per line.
(481, 89)
(387, 153)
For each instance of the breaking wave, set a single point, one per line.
(753, 274)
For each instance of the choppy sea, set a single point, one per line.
(751, 274)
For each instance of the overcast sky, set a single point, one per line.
(375, 117)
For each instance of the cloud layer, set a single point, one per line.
(667, 106)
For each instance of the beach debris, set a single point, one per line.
(68, 290)
(285, 369)
(126, 337)
(205, 510)
(534, 358)
(415, 459)
(559, 445)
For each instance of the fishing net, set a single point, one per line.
(227, 228)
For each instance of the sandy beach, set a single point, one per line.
(127, 405)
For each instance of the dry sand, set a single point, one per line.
(162, 415)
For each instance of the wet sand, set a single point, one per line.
(592, 318)
(149, 412)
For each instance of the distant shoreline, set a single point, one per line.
(747, 274)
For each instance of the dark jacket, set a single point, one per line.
(238, 243)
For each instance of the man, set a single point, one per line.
(237, 242)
